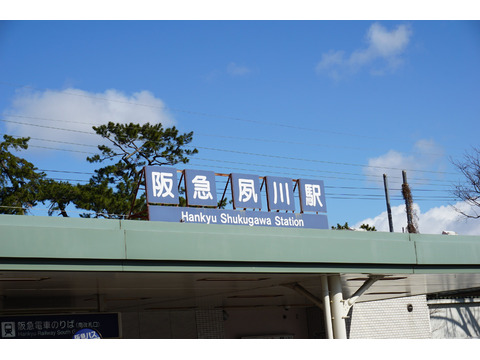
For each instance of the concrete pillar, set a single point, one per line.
(327, 311)
(338, 309)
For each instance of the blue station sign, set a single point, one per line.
(280, 193)
(200, 188)
(162, 189)
(237, 217)
(246, 191)
(61, 326)
(161, 184)
(312, 195)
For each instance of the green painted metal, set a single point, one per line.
(447, 250)
(199, 242)
(45, 243)
(45, 237)
(51, 265)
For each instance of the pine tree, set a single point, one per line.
(111, 191)
(20, 180)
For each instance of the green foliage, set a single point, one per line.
(59, 194)
(341, 227)
(111, 190)
(20, 182)
(366, 227)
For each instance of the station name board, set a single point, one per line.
(60, 326)
(247, 191)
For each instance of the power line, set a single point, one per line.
(259, 165)
(48, 127)
(57, 149)
(67, 171)
(304, 171)
(308, 170)
(318, 161)
(223, 183)
(253, 154)
(205, 159)
(163, 107)
(299, 143)
(223, 136)
(49, 119)
(55, 141)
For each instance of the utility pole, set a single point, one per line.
(387, 197)
(407, 195)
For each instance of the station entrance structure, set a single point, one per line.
(70, 266)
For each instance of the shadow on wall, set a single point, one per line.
(455, 320)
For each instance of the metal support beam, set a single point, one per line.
(324, 305)
(338, 313)
(332, 293)
(366, 285)
(327, 311)
(302, 291)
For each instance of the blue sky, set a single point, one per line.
(340, 101)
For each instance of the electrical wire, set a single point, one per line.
(202, 114)
(48, 127)
(251, 154)
(263, 140)
(316, 160)
(215, 160)
(330, 194)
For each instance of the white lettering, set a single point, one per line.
(279, 221)
(284, 195)
(199, 218)
(312, 195)
(201, 188)
(247, 190)
(244, 220)
(162, 184)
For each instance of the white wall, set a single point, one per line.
(390, 319)
(455, 319)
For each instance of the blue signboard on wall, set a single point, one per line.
(246, 191)
(62, 326)
(202, 205)
(280, 193)
(162, 185)
(312, 195)
(237, 217)
(200, 188)
(86, 334)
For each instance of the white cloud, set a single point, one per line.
(331, 62)
(237, 70)
(78, 111)
(387, 44)
(383, 52)
(426, 155)
(434, 221)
